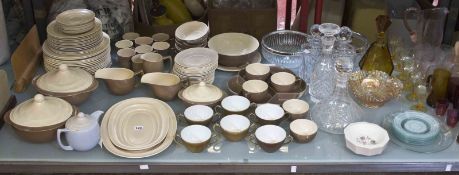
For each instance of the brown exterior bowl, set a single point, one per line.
(120, 87)
(196, 147)
(270, 147)
(302, 138)
(235, 136)
(74, 98)
(165, 93)
(34, 135)
(235, 61)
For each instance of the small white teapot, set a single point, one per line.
(82, 132)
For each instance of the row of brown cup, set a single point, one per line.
(263, 91)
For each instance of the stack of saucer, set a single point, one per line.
(191, 34)
(415, 128)
(75, 38)
(197, 63)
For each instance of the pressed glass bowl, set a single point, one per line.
(374, 88)
(285, 48)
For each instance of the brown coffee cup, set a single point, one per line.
(270, 138)
(303, 130)
(283, 81)
(153, 62)
(268, 114)
(162, 48)
(296, 108)
(124, 57)
(255, 90)
(257, 71)
(196, 138)
(137, 64)
(198, 115)
(143, 40)
(233, 127)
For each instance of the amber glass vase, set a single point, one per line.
(439, 83)
(378, 56)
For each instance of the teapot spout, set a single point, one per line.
(96, 115)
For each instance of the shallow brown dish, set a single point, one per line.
(234, 49)
(74, 98)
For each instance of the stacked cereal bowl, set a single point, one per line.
(75, 38)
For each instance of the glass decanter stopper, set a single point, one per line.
(333, 114)
(322, 78)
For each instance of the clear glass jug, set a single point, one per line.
(428, 33)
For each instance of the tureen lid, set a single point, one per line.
(80, 122)
(65, 80)
(41, 111)
(202, 92)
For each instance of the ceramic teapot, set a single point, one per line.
(82, 132)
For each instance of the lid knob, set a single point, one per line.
(38, 98)
(80, 114)
(202, 83)
(63, 67)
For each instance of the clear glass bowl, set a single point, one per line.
(286, 48)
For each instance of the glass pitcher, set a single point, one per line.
(428, 34)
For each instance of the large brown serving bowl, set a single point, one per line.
(234, 49)
(74, 98)
(36, 134)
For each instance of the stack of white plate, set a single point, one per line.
(75, 38)
(138, 127)
(196, 63)
(191, 34)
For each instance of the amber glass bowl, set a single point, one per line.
(373, 89)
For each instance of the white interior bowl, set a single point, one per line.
(192, 30)
(234, 123)
(295, 106)
(269, 111)
(303, 127)
(160, 78)
(235, 103)
(283, 78)
(198, 113)
(255, 86)
(195, 134)
(270, 134)
(366, 138)
(257, 69)
(233, 44)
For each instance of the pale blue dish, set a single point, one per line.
(442, 141)
(415, 128)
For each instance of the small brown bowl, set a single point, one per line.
(303, 130)
(283, 81)
(224, 127)
(275, 132)
(257, 71)
(74, 98)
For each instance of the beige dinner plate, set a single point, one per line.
(53, 32)
(78, 55)
(75, 17)
(141, 153)
(137, 125)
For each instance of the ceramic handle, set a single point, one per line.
(217, 128)
(181, 119)
(178, 140)
(215, 142)
(252, 117)
(218, 109)
(288, 139)
(217, 117)
(64, 147)
(171, 63)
